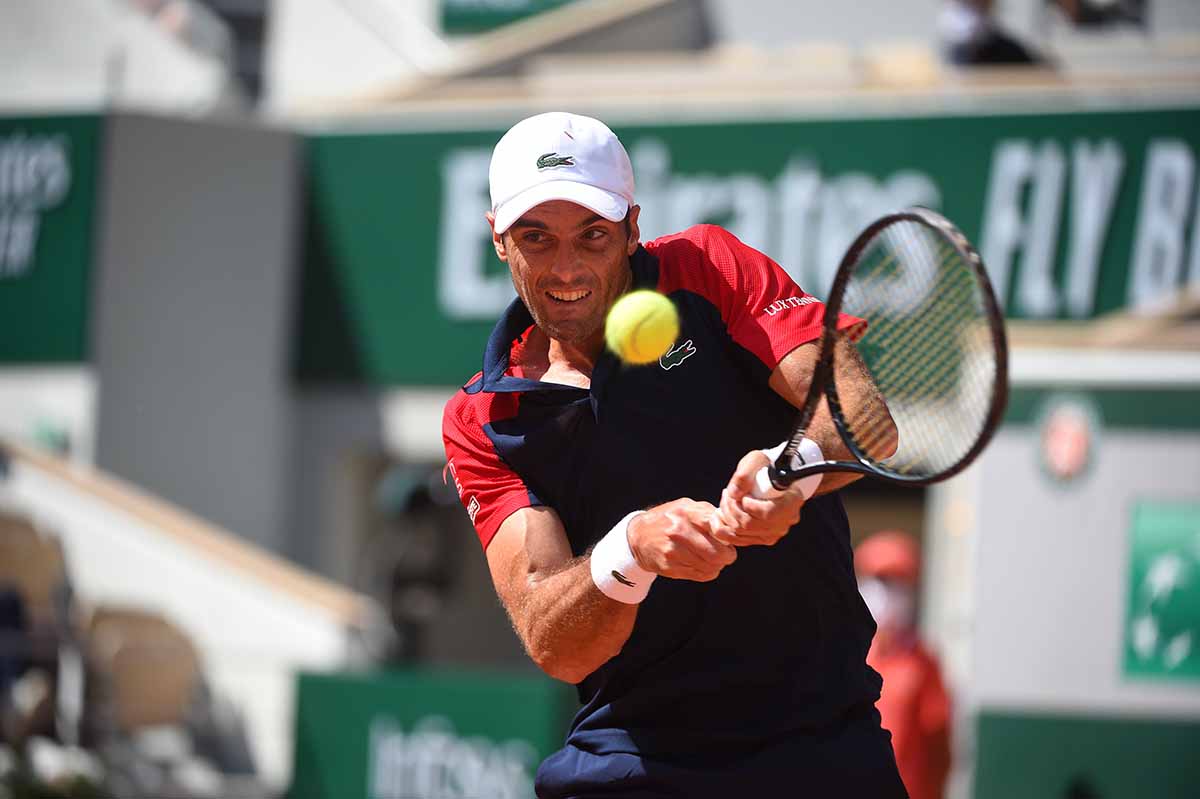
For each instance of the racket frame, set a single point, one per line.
(824, 383)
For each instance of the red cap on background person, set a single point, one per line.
(889, 555)
(888, 565)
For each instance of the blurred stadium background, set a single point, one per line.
(243, 262)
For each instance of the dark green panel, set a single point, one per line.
(372, 735)
(383, 218)
(477, 16)
(1042, 756)
(48, 184)
(369, 310)
(1121, 408)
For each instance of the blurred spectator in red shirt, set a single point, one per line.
(914, 705)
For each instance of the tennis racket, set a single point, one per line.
(934, 347)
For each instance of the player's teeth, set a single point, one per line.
(569, 296)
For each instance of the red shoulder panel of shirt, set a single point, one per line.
(487, 487)
(762, 307)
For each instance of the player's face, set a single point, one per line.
(569, 265)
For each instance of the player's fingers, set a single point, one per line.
(691, 545)
(708, 520)
(688, 562)
(711, 550)
(721, 530)
(742, 481)
(697, 537)
(733, 512)
(769, 511)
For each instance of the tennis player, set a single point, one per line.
(718, 641)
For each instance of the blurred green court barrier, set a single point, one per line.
(425, 733)
(1034, 755)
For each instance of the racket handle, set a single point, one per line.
(763, 489)
(807, 454)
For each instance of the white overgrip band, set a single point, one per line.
(808, 452)
(614, 569)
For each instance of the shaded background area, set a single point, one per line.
(243, 264)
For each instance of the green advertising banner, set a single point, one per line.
(428, 734)
(47, 209)
(1056, 756)
(1076, 214)
(1162, 626)
(1173, 409)
(476, 16)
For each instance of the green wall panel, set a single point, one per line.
(1046, 756)
(449, 732)
(48, 184)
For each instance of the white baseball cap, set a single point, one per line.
(559, 156)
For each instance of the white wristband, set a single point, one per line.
(808, 452)
(614, 569)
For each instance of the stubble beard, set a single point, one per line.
(576, 332)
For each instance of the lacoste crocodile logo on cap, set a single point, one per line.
(553, 160)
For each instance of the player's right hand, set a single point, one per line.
(760, 521)
(676, 539)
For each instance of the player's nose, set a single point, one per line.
(567, 266)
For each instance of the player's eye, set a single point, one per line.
(595, 234)
(534, 237)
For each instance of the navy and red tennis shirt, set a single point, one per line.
(725, 687)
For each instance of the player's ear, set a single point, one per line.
(497, 238)
(635, 233)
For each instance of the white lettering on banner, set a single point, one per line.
(35, 176)
(1095, 178)
(433, 762)
(1158, 248)
(1003, 227)
(1037, 295)
(803, 219)
(806, 220)
(1012, 232)
(18, 238)
(466, 290)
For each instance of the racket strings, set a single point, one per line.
(927, 348)
(901, 338)
(937, 382)
(938, 427)
(943, 426)
(901, 380)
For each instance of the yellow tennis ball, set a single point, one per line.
(641, 326)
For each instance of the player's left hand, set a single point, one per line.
(755, 522)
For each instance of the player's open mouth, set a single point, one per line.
(568, 296)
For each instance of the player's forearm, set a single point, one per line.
(821, 431)
(567, 626)
(861, 404)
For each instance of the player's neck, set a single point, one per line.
(554, 361)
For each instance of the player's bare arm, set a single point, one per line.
(859, 397)
(568, 627)
(765, 521)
